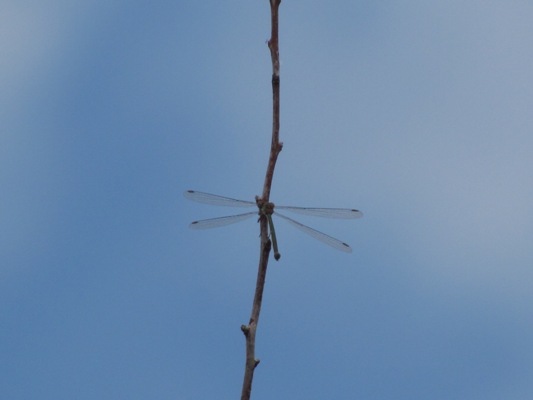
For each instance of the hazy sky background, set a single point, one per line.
(418, 113)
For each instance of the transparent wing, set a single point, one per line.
(341, 213)
(336, 243)
(216, 200)
(220, 221)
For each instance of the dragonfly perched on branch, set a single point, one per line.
(267, 209)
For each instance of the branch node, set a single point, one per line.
(245, 329)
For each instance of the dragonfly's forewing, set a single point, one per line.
(216, 200)
(220, 221)
(336, 243)
(341, 213)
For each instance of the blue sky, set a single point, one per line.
(418, 114)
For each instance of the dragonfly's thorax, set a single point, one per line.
(267, 208)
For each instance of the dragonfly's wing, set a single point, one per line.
(336, 243)
(341, 213)
(221, 221)
(216, 200)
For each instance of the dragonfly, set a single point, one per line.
(267, 209)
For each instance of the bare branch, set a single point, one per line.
(275, 148)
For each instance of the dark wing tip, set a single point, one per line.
(347, 247)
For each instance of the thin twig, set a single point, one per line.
(251, 329)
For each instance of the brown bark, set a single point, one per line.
(275, 148)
